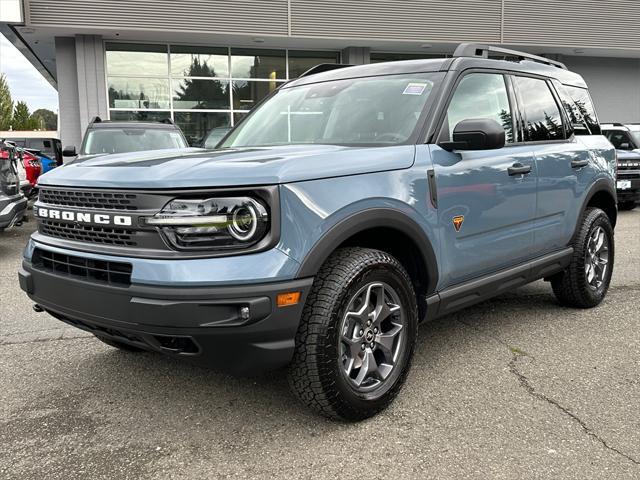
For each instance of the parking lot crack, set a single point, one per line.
(526, 384)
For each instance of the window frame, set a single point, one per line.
(567, 134)
(510, 96)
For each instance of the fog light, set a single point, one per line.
(287, 299)
(245, 314)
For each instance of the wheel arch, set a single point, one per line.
(602, 195)
(373, 228)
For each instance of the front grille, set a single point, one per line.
(100, 271)
(86, 199)
(87, 233)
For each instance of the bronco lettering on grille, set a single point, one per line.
(81, 217)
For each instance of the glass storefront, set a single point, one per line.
(200, 88)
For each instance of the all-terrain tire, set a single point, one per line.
(315, 374)
(119, 345)
(571, 287)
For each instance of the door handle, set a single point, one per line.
(579, 163)
(519, 169)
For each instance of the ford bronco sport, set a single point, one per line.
(353, 203)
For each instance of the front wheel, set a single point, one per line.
(585, 282)
(356, 336)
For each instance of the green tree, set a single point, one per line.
(6, 104)
(49, 119)
(21, 117)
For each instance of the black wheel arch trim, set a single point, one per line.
(365, 220)
(600, 185)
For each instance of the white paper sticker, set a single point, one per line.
(414, 89)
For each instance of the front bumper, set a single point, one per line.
(632, 193)
(12, 210)
(204, 324)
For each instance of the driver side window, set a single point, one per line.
(480, 95)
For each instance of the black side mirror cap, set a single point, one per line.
(476, 134)
(69, 151)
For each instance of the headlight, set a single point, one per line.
(212, 223)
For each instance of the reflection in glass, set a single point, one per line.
(584, 104)
(196, 125)
(139, 116)
(373, 111)
(301, 61)
(138, 93)
(201, 94)
(481, 95)
(542, 115)
(132, 59)
(269, 64)
(199, 61)
(246, 94)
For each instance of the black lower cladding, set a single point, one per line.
(234, 328)
(12, 210)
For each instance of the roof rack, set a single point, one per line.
(324, 67)
(480, 50)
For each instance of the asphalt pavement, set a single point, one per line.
(516, 387)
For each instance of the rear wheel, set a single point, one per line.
(356, 337)
(119, 345)
(585, 282)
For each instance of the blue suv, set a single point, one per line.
(352, 204)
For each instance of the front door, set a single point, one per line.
(485, 209)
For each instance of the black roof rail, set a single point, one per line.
(167, 121)
(95, 119)
(324, 67)
(480, 50)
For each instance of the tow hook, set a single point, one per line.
(37, 308)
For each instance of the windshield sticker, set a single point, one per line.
(415, 89)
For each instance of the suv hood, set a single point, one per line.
(187, 168)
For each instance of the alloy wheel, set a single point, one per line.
(371, 336)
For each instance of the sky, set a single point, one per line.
(24, 80)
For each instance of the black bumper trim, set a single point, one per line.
(209, 317)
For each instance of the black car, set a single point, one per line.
(13, 204)
(626, 140)
(109, 137)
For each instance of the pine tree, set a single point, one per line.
(21, 117)
(6, 104)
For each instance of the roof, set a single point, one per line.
(131, 124)
(442, 65)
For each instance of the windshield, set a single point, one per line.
(122, 140)
(381, 110)
(636, 136)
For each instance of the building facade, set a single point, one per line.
(205, 63)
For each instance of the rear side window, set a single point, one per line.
(583, 102)
(542, 119)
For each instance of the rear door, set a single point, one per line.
(485, 215)
(563, 162)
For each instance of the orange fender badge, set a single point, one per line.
(457, 222)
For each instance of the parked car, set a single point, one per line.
(626, 140)
(49, 146)
(215, 135)
(628, 180)
(109, 137)
(13, 204)
(351, 204)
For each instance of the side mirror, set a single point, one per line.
(625, 146)
(69, 151)
(476, 134)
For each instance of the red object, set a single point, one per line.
(31, 167)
